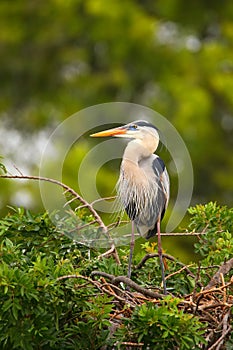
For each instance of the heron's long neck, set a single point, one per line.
(135, 152)
(131, 172)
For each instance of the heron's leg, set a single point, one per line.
(161, 257)
(131, 250)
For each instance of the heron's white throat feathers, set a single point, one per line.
(138, 149)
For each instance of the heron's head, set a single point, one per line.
(141, 131)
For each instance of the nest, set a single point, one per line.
(212, 305)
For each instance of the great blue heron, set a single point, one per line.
(143, 185)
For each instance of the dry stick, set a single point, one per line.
(89, 280)
(224, 269)
(113, 225)
(17, 169)
(220, 340)
(216, 289)
(70, 201)
(201, 294)
(68, 276)
(177, 272)
(213, 306)
(209, 267)
(107, 291)
(95, 201)
(130, 299)
(108, 285)
(111, 251)
(102, 199)
(224, 290)
(128, 282)
(131, 344)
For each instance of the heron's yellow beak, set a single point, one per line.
(111, 132)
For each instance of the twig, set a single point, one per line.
(128, 343)
(93, 202)
(224, 290)
(107, 291)
(89, 280)
(19, 171)
(102, 199)
(213, 306)
(70, 201)
(213, 290)
(67, 277)
(112, 251)
(177, 272)
(108, 285)
(118, 223)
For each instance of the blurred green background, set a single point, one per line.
(60, 56)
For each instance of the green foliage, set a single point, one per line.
(48, 301)
(37, 310)
(216, 243)
(216, 222)
(161, 327)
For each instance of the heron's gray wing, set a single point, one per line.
(163, 187)
(162, 180)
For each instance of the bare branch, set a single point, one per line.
(128, 282)
(102, 199)
(131, 344)
(112, 251)
(67, 277)
(223, 270)
(217, 289)
(177, 272)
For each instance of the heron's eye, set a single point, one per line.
(133, 126)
